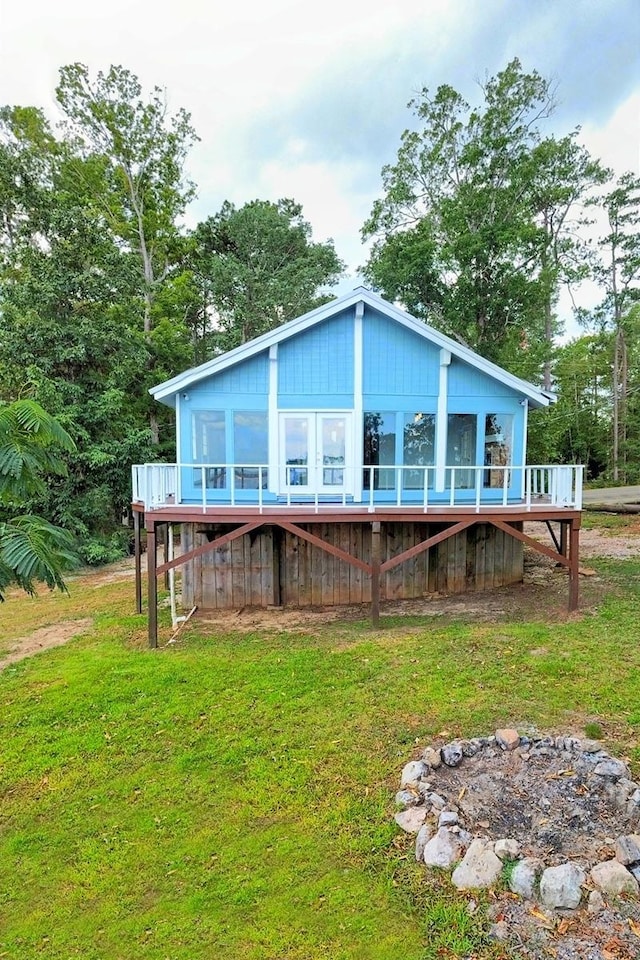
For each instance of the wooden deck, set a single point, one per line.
(563, 524)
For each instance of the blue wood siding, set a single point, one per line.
(315, 369)
(466, 381)
(397, 361)
(250, 376)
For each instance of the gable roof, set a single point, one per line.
(167, 390)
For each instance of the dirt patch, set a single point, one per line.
(43, 639)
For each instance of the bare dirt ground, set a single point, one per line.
(43, 639)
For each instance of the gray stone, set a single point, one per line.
(614, 879)
(411, 820)
(635, 797)
(432, 758)
(471, 747)
(452, 753)
(561, 886)
(626, 786)
(443, 850)
(525, 877)
(595, 903)
(611, 768)
(424, 835)
(590, 746)
(628, 849)
(412, 772)
(408, 798)
(436, 801)
(507, 739)
(507, 849)
(499, 931)
(448, 818)
(479, 868)
(634, 870)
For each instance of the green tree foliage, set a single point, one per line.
(31, 549)
(618, 273)
(577, 428)
(257, 267)
(471, 230)
(128, 162)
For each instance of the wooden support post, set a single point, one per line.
(137, 556)
(564, 538)
(376, 557)
(165, 552)
(152, 585)
(574, 565)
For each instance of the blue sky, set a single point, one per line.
(309, 101)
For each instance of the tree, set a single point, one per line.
(31, 549)
(618, 272)
(257, 267)
(67, 337)
(131, 156)
(470, 232)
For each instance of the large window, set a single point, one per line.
(208, 446)
(461, 449)
(379, 449)
(419, 446)
(498, 446)
(251, 446)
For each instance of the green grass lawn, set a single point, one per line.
(232, 795)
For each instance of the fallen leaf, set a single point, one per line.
(564, 926)
(543, 918)
(461, 794)
(634, 927)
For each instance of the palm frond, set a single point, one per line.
(32, 549)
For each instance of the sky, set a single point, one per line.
(292, 99)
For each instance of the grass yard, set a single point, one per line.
(232, 795)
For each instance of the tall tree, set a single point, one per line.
(618, 272)
(258, 267)
(469, 231)
(67, 338)
(31, 548)
(131, 164)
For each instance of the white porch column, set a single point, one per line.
(358, 403)
(441, 420)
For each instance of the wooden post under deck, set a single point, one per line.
(137, 555)
(564, 540)
(152, 584)
(574, 564)
(376, 557)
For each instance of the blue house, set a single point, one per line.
(355, 413)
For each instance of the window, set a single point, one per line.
(208, 447)
(379, 449)
(419, 445)
(461, 448)
(251, 446)
(498, 446)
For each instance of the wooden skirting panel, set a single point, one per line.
(272, 566)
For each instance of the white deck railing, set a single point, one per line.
(224, 484)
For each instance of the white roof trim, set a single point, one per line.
(167, 389)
